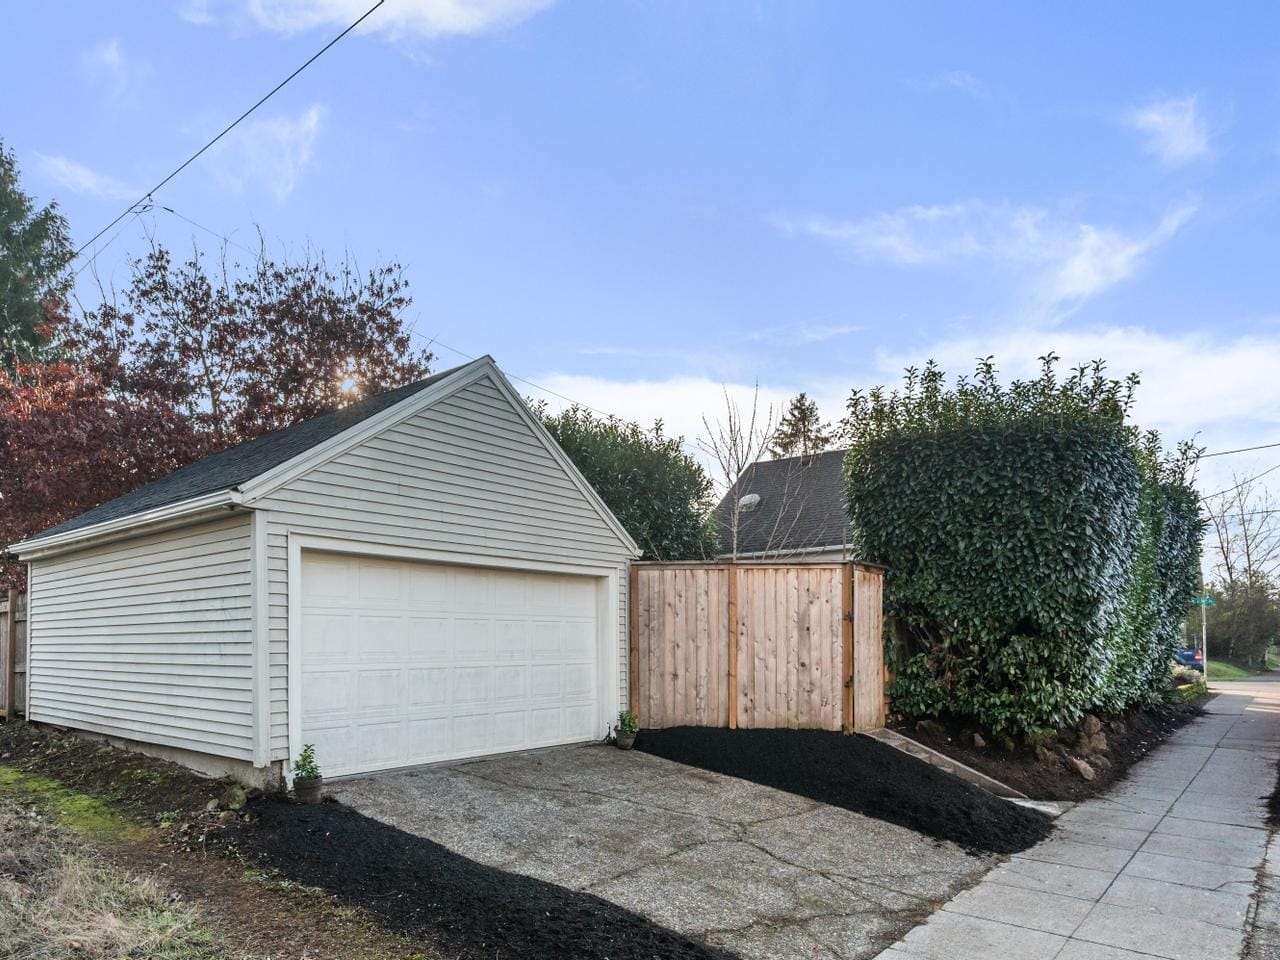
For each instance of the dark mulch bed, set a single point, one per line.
(420, 888)
(859, 774)
(405, 883)
(1273, 802)
(1129, 739)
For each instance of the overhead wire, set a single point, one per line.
(149, 195)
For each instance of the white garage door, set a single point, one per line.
(406, 663)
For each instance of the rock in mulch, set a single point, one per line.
(858, 774)
(1082, 767)
(418, 887)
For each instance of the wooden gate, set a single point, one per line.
(757, 645)
(13, 654)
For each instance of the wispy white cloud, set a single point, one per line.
(1062, 261)
(962, 80)
(111, 70)
(396, 19)
(271, 152)
(1196, 383)
(78, 178)
(803, 333)
(1173, 129)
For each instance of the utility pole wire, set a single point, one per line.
(225, 130)
(1223, 453)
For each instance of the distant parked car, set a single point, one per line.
(1189, 658)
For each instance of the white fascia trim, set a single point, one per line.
(184, 511)
(548, 441)
(272, 480)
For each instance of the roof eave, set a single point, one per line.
(148, 521)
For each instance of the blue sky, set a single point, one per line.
(635, 203)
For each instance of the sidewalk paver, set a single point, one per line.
(1164, 865)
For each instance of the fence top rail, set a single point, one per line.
(782, 564)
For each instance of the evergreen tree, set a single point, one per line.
(35, 249)
(801, 431)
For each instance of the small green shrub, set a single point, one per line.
(628, 724)
(306, 768)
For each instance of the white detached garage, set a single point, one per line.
(422, 576)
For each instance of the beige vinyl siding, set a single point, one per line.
(149, 639)
(467, 475)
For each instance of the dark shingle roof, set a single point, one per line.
(228, 469)
(801, 506)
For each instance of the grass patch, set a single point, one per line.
(1221, 670)
(71, 809)
(58, 901)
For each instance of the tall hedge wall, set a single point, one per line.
(1040, 552)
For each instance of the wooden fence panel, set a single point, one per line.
(13, 654)
(756, 645)
(868, 644)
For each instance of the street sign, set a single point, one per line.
(1203, 601)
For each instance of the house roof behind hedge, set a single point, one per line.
(802, 506)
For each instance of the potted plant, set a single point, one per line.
(626, 730)
(306, 776)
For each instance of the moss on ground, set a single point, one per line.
(71, 809)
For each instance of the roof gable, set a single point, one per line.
(258, 467)
(235, 466)
(801, 506)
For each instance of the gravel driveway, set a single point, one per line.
(761, 872)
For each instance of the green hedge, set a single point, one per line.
(1040, 552)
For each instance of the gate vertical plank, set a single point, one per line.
(732, 623)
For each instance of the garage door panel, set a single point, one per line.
(379, 743)
(382, 636)
(509, 684)
(472, 734)
(579, 722)
(420, 663)
(579, 681)
(329, 695)
(328, 581)
(474, 638)
(511, 639)
(328, 635)
(427, 688)
(429, 639)
(378, 691)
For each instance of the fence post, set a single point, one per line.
(733, 647)
(9, 656)
(633, 647)
(846, 647)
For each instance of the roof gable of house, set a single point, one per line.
(801, 507)
(230, 468)
(257, 466)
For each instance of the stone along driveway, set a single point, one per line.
(1165, 865)
(761, 872)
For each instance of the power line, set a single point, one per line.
(1241, 483)
(225, 130)
(1223, 453)
(209, 230)
(97, 253)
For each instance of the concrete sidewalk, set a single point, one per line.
(1164, 865)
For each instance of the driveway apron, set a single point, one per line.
(1164, 865)
(765, 874)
